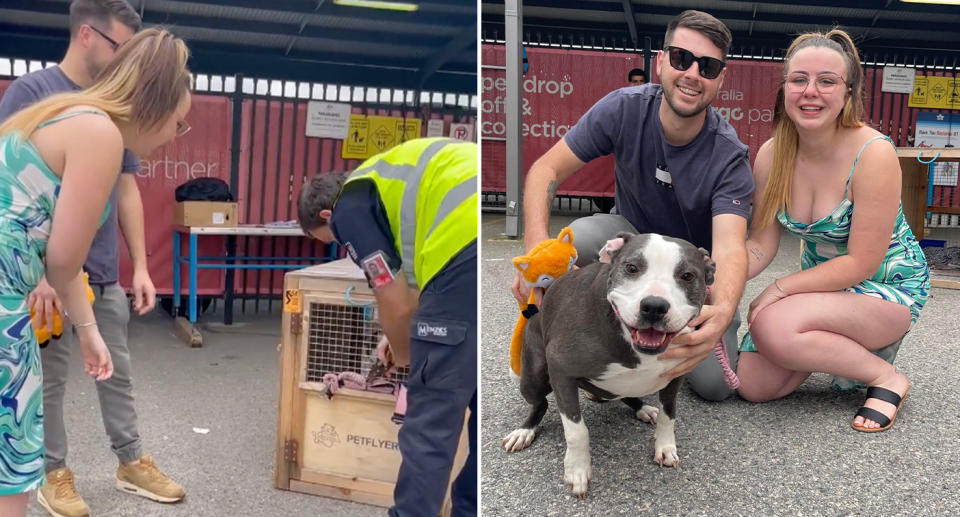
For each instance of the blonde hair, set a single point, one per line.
(776, 194)
(143, 84)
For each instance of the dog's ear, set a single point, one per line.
(709, 266)
(610, 249)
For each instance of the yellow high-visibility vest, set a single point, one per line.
(428, 187)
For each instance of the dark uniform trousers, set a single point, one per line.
(441, 386)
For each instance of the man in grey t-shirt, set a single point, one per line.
(680, 171)
(97, 28)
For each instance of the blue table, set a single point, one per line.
(227, 262)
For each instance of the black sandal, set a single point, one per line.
(876, 392)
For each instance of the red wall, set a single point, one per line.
(275, 158)
(561, 85)
(203, 152)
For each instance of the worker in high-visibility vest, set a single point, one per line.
(408, 218)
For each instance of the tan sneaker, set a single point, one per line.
(59, 497)
(143, 478)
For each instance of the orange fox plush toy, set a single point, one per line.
(39, 323)
(539, 268)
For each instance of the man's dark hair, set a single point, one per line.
(705, 24)
(637, 71)
(102, 12)
(320, 193)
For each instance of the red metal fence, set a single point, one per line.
(562, 83)
(273, 157)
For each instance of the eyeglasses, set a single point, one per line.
(825, 83)
(113, 44)
(681, 59)
(182, 127)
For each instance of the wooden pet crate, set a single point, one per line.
(344, 446)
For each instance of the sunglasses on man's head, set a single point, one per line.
(681, 59)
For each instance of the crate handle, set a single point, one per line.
(927, 162)
(369, 313)
(346, 296)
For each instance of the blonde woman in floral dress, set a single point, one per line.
(59, 160)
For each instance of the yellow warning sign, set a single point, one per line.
(935, 92)
(369, 135)
(356, 142)
(291, 301)
(408, 129)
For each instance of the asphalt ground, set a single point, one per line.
(229, 388)
(794, 456)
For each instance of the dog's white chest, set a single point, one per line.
(642, 380)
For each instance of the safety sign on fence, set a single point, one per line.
(369, 135)
(935, 92)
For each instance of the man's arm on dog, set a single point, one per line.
(547, 172)
(730, 255)
(550, 170)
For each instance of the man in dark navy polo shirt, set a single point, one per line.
(680, 171)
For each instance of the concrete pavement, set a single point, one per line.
(794, 456)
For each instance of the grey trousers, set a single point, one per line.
(590, 234)
(112, 311)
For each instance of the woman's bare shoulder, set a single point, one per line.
(91, 123)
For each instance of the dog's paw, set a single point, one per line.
(648, 414)
(577, 471)
(518, 439)
(666, 456)
(577, 479)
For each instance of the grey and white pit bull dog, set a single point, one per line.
(600, 328)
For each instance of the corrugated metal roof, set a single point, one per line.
(282, 37)
(32, 19)
(877, 26)
(224, 11)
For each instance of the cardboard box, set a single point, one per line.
(205, 213)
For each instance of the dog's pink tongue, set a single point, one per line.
(648, 337)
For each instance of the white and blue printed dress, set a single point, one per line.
(28, 194)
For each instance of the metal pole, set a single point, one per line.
(647, 56)
(236, 126)
(513, 13)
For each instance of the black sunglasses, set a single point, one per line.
(681, 59)
(113, 44)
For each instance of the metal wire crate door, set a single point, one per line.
(342, 337)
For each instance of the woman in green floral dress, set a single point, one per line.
(59, 160)
(835, 183)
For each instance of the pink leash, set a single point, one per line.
(720, 350)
